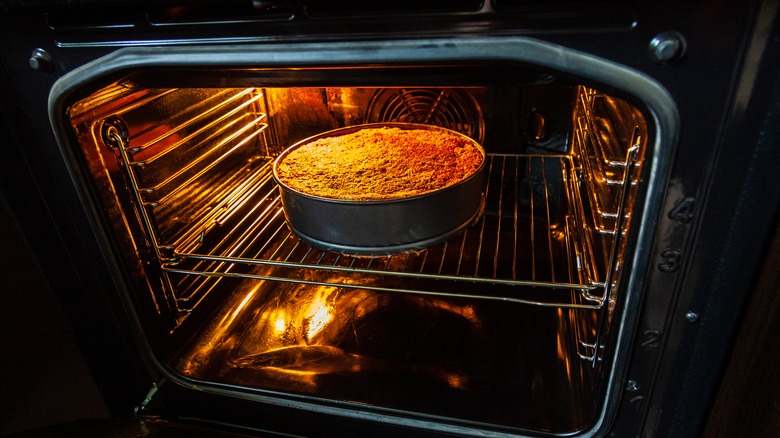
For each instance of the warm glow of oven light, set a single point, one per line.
(563, 344)
(317, 322)
(293, 373)
(242, 304)
(456, 381)
(280, 324)
(226, 323)
(561, 349)
(319, 315)
(466, 312)
(307, 379)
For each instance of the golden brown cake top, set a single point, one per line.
(379, 163)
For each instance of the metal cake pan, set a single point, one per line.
(381, 227)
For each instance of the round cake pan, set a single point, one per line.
(382, 227)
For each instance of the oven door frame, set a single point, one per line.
(657, 103)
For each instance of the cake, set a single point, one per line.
(379, 163)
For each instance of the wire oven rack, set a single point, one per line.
(511, 245)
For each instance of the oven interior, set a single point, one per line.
(510, 325)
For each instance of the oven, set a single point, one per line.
(588, 283)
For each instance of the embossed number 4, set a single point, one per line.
(684, 211)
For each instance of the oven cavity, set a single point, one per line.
(506, 324)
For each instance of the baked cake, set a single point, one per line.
(379, 163)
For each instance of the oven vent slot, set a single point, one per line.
(200, 13)
(222, 12)
(92, 17)
(358, 8)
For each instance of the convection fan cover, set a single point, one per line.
(449, 108)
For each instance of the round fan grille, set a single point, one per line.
(449, 108)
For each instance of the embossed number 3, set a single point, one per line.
(670, 260)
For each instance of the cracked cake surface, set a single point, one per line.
(380, 163)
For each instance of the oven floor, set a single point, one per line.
(479, 361)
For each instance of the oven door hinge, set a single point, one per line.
(144, 405)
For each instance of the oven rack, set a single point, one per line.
(203, 221)
(605, 159)
(528, 240)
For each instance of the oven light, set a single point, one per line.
(280, 325)
(455, 380)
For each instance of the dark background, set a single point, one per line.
(43, 377)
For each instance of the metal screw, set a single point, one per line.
(632, 385)
(692, 316)
(41, 60)
(667, 46)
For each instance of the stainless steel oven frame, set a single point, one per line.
(712, 211)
